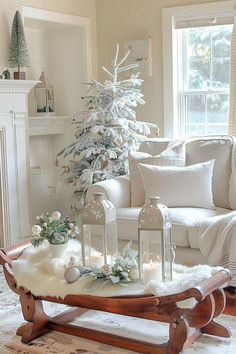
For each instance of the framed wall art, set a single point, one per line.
(141, 53)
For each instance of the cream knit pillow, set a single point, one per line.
(189, 186)
(173, 155)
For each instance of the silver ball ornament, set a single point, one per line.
(72, 274)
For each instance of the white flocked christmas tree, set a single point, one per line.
(109, 128)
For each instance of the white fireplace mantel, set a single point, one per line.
(16, 86)
(14, 161)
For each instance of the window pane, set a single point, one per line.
(198, 74)
(195, 108)
(221, 40)
(195, 129)
(220, 73)
(198, 43)
(217, 108)
(217, 129)
(206, 68)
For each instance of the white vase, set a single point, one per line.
(57, 251)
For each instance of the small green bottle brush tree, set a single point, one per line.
(18, 52)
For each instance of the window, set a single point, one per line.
(204, 79)
(196, 65)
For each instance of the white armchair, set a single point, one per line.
(117, 190)
(185, 220)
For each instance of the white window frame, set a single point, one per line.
(183, 92)
(171, 73)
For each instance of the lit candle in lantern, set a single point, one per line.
(108, 259)
(98, 258)
(151, 271)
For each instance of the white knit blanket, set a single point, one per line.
(217, 235)
(217, 240)
(36, 270)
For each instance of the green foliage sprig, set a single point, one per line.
(53, 228)
(5, 75)
(124, 269)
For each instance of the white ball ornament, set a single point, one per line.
(106, 270)
(36, 229)
(56, 215)
(72, 274)
(72, 261)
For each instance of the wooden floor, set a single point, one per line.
(230, 308)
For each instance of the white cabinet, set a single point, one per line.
(14, 161)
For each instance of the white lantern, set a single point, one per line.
(44, 97)
(156, 250)
(99, 231)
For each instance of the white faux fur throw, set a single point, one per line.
(36, 270)
(217, 240)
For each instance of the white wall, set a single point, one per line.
(35, 42)
(58, 50)
(75, 7)
(67, 68)
(119, 21)
(38, 60)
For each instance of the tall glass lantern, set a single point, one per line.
(156, 250)
(44, 97)
(99, 231)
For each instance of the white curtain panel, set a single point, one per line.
(232, 105)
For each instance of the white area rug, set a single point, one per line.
(55, 342)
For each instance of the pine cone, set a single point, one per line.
(104, 164)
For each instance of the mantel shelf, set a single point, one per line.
(48, 125)
(17, 86)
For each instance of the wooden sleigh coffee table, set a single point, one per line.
(201, 317)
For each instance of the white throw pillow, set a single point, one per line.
(171, 156)
(189, 186)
